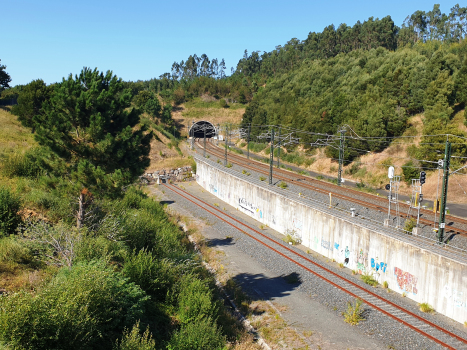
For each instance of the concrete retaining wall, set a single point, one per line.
(424, 274)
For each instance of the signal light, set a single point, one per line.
(422, 177)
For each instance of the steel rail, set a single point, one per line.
(353, 284)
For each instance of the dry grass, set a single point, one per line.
(272, 327)
(12, 134)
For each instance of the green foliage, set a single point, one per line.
(32, 163)
(223, 103)
(30, 100)
(81, 307)
(200, 335)
(425, 307)
(282, 185)
(257, 147)
(353, 314)
(368, 279)
(10, 204)
(153, 275)
(410, 224)
(88, 124)
(133, 340)
(195, 301)
(179, 96)
(4, 78)
(410, 172)
(13, 251)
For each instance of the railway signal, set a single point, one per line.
(422, 177)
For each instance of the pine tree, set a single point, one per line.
(88, 123)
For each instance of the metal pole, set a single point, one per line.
(248, 142)
(390, 199)
(192, 136)
(226, 144)
(271, 157)
(204, 145)
(341, 157)
(279, 150)
(444, 192)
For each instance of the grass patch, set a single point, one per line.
(425, 307)
(262, 178)
(229, 165)
(282, 185)
(368, 279)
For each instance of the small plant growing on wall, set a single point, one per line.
(425, 307)
(291, 237)
(262, 178)
(368, 279)
(229, 165)
(282, 185)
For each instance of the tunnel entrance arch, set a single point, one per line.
(198, 128)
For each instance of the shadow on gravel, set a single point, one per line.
(166, 202)
(216, 242)
(259, 287)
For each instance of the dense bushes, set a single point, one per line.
(84, 307)
(128, 273)
(9, 207)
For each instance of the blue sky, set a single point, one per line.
(141, 39)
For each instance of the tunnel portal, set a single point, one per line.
(198, 128)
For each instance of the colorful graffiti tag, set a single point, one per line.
(362, 262)
(249, 207)
(326, 244)
(378, 265)
(406, 281)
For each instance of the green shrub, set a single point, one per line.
(83, 307)
(22, 164)
(13, 251)
(425, 307)
(410, 172)
(282, 185)
(9, 207)
(410, 224)
(353, 314)
(223, 103)
(368, 279)
(133, 340)
(94, 248)
(195, 301)
(199, 335)
(257, 147)
(155, 276)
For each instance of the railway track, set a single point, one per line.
(343, 193)
(398, 313)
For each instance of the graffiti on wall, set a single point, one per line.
(297, 224)
(315, 243)
(212, 188)
(378, 266)
(362, 262)
(406, 281)
(326, 244)
(249, 207)
(455, 295)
